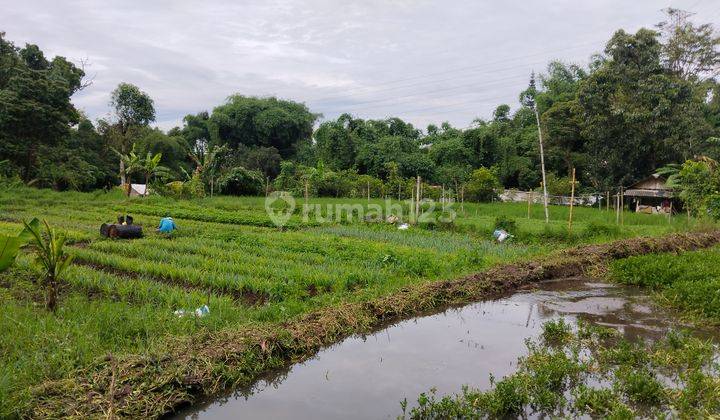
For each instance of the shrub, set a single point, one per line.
(506, 223)
(240, 181)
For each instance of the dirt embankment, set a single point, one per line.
(145, 386)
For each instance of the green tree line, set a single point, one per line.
(650, 99)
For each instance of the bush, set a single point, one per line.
(506, 223)
(240, 181)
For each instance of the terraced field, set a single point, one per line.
(121, 296)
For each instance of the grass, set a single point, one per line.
(120, 296)
(689, 281)
(679, 374)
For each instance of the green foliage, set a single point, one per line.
(240, 181)
(689, 281)
(10, 245)
(573, 378)
(52, 257)
(482, 185)
(267, 122)
(697, 181)
(556, 331)
(505, 223)
(35, 107)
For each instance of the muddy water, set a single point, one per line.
(367, 377)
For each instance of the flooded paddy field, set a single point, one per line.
(368, 376)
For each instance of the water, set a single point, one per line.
(367, 377)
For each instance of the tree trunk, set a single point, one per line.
(123, 180)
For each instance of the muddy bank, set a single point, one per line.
(144, 386)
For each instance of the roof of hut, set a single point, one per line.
(652, 186)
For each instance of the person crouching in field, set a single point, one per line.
(167, 225)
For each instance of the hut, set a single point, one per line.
(651, 195)
(138, 190)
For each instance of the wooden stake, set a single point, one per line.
(572, 199)
(306, 191)
(529, 197)
(607, 200)
(368, 185)
(617, 209)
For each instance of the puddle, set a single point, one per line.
(367, 377)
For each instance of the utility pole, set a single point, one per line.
(542, 164)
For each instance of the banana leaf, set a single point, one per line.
(10, 245)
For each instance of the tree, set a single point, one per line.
(207, 159)
(35, 107)
(129, 163)
(263, 159)
(482, 185)
(240, 181)
(637, 116)
(132, 109)
(266, 122)
(150, 167)
(692, 52)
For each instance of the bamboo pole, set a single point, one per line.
(368, 191)
(417, 197)
(617, 209)
(572, 200)
(542, 165)
(622, 206)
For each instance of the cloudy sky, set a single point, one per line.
(426, 61)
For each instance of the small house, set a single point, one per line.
(651, 195)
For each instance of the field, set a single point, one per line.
(121, 296)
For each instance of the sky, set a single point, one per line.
(424, 61)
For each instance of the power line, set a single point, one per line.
(490, 83)
(459, 69)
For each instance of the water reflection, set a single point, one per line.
(366, 377)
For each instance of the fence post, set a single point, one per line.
(572, 199)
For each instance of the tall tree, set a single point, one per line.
(692, 52)
(35, 107)
(132, 108)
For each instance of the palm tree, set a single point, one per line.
(207, 160)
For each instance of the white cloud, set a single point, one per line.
(424, 61)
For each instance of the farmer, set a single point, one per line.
(167, 225)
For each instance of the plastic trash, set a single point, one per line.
(501, 235)
(404, 226)
(199, 312)
(202, 311)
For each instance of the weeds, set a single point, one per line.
(576, 378)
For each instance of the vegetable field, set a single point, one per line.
(120, 297)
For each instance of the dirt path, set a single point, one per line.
(145, 386)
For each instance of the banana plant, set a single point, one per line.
(52, 258)
(10, 245)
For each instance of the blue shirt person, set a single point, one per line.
(167, 225)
